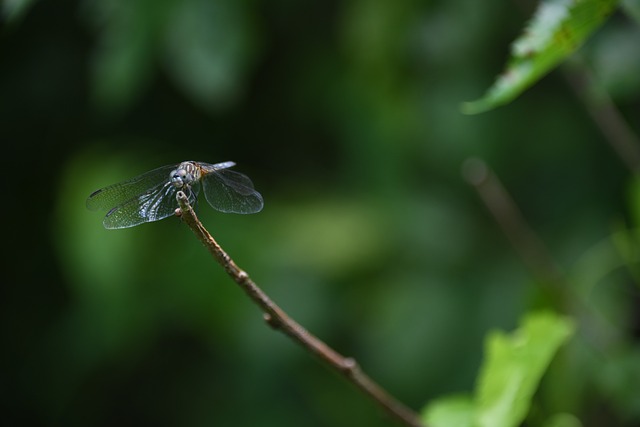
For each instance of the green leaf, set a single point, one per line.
(451, 411)
(558, 28)
(513, 367)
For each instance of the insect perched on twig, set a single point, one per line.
(151, 196)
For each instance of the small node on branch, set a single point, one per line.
(349, 365)
(271, 321)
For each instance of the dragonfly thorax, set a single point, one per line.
(184, 175)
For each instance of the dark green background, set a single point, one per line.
(346, 116)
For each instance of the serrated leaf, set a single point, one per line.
(514, 366)
(558, 28)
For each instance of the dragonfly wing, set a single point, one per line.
(128, 191)
(151, 206)
(230, 191)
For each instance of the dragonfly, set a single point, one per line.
(152, 196)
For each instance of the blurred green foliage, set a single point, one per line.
(508, 378)
(558, 28)
(346, 116)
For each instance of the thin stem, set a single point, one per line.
(534, 253)
(280, 320)
(525, 241)
(606, 115)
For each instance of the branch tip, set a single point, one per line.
(475, 171)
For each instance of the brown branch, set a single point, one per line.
(525, 241)
(278, 319)
(606, 115)
(534, 254)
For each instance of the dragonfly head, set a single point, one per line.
(183, 176)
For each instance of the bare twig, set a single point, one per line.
(534, 253)
(278, 319)
(506, 213)
(606, 115)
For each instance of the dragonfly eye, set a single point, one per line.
(178, 177)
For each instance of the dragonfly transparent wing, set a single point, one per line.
(118, 194)
(153, 206)
(146, 198)
(229, 191)
(147, 207)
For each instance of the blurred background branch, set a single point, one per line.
(613, 125)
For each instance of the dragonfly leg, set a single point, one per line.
(192, 195)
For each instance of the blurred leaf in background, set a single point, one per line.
(205, 46)
(13, 10)
(556, 31)
(512, 368)
(209, 48)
